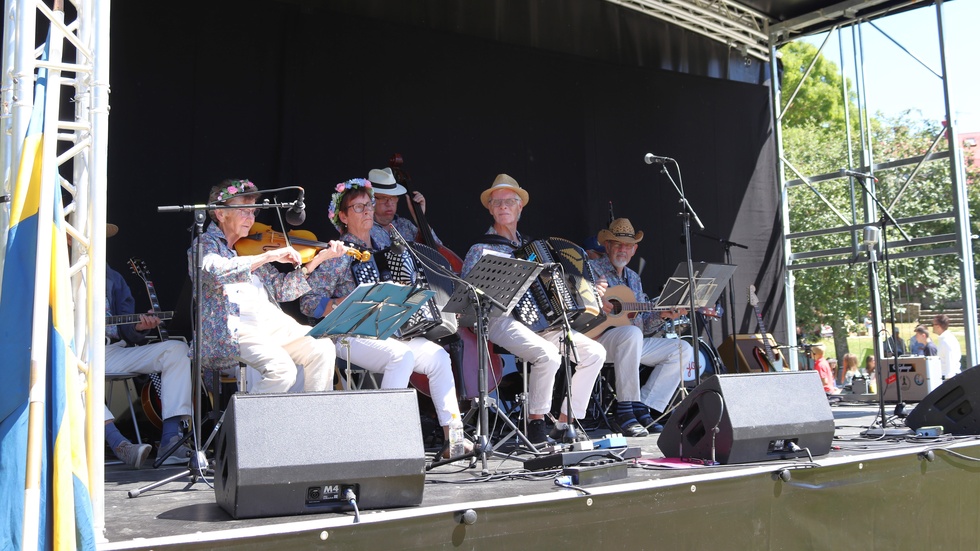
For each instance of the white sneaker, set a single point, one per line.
(131, 454)
(180, 456)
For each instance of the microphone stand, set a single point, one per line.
(731, 286)
(873, 276)
(198, 462)
(687, 214)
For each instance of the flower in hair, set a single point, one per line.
(237, 187)
(333, 212)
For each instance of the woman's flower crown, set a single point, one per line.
(237, 187)
(334, 211)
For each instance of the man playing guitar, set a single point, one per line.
(626, 346)
(128, 352)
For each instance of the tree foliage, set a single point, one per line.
(814, 136)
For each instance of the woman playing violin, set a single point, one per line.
(352, 210)
(242, 320)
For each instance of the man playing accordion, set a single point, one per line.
(505, 200)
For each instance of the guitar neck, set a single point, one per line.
(127, 319)
(762, 329)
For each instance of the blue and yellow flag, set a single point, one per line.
(66, 520)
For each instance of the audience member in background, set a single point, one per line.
(822, 367)
(894, 344)
(871, 372)
(849, 369)
(921, 343)
(947, 346)
(832, 362)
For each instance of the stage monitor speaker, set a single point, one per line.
(289, 454)
(955, 405)
(746, 359)
(748, 417)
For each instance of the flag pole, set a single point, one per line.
(42, 285)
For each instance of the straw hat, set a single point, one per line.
(503, 181)
(620, 230)
(111, 229)
(384, 182)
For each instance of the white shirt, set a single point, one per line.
(949, 353)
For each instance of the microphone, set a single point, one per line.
(650, 158)
(856, 174)
(296, 214)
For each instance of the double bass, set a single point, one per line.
(424, 235)
(463, 351)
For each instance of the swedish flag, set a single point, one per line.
(65, 512)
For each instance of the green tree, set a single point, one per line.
(814, 142)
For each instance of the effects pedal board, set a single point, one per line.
(562, 460)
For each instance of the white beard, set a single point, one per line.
(619, 264)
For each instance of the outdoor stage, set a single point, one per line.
(867, 493)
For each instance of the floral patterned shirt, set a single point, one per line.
(333, 278)
(222, 266)
(476, 251)
(647, 321)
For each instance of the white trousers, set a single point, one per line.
(668, 356)
(397, 360)
(276, 348)
(624, 347)
(169, 358)
(543, 353)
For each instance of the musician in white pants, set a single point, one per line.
(129, 352)
(627, 347)
(352, 213)
(505, 199)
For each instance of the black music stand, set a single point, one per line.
(709, 281)
(492, 288)
(372, 310)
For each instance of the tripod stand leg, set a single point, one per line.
(196, 463)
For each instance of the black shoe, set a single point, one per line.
(537, 432)
(630, 426)
(648, 418)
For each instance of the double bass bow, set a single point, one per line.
(424, 235)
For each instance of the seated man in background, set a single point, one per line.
(627, 347)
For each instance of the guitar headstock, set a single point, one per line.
(753, 300)
(139, 268)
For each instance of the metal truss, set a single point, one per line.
(728, 22)
(78, 67)
(864, 212)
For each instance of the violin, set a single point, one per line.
(424, 235)
(262, 238)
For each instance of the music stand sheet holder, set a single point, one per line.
(503, 279)
(709, 282)
(374, 310)
(500, 282)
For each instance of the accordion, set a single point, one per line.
(396, 264)
(570, 291)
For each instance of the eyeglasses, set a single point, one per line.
(361, 207)
(388, 199)
(245, 213)
(510, 202)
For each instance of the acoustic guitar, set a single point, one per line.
(768, 359)
(625, 307)
(150, 393)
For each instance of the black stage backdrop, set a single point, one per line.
(285, 95)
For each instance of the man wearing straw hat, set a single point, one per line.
(506, 199)
(626, 345)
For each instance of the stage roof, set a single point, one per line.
(747, 24)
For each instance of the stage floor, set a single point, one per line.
(182, 509)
